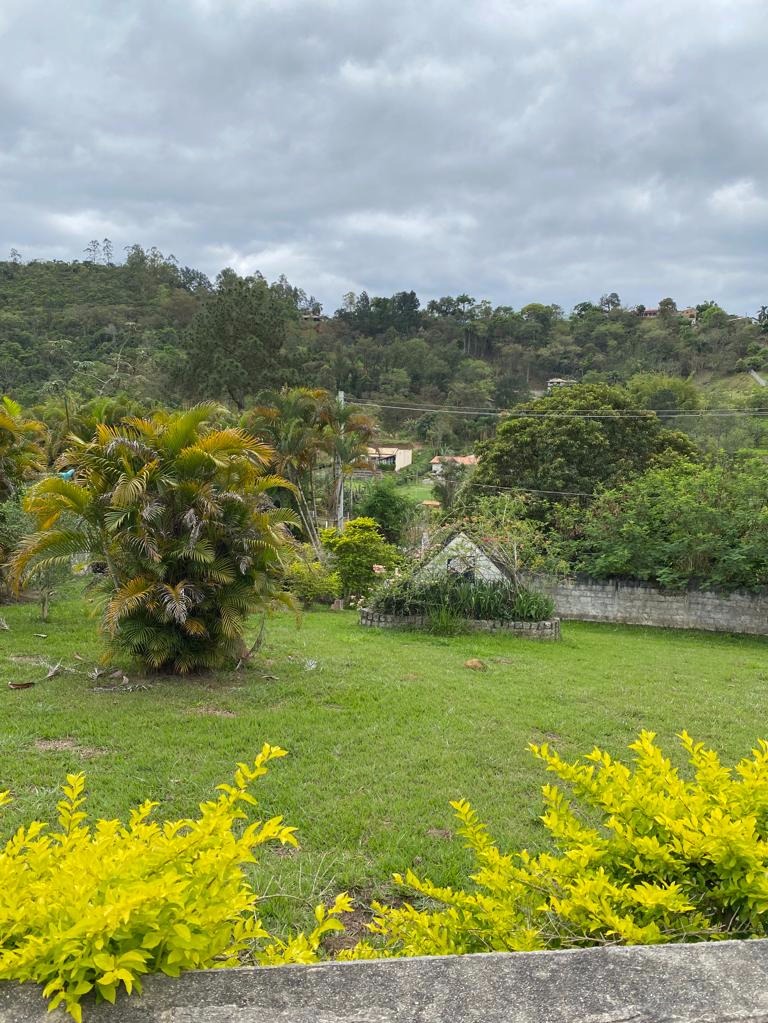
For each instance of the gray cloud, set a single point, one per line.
(546, 150)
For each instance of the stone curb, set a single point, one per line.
(711, 982)
(546, 630)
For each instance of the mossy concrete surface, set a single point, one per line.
(713, 982)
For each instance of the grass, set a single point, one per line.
(383, 729)
(417, 491)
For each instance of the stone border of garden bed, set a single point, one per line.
(547, 630)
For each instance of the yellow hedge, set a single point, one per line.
(93, 907)
(642, 855)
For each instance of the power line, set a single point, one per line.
(570, 414)
(428, 408)
(530, 490)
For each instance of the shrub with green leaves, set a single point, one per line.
(683, 525)
(179, 514)
(93, 907)
(389, 506)
(312, 581)
(642, 854)
(356, 550)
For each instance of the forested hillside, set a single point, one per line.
(157, 330)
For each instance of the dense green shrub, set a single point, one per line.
(461, 598)
(391, 509)
(643, 855)
(686, 524)
(178, 512)
(94, 907)
(531, 606)
(312, 581)
(444, 621)
(356, 551)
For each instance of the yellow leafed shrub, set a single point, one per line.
(642, 855)
(93, 907)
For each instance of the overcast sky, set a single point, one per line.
(548, 150)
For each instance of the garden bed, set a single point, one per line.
(548, 630)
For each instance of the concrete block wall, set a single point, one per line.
(635, 603)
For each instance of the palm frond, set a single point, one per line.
(131, 596)
(181, 430)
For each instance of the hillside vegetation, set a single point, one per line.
(163, 331)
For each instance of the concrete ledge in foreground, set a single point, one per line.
(715, 982)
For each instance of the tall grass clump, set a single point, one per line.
(461, 599)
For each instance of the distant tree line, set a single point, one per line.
(157, 330)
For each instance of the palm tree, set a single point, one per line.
(20, 447)
(347, 434)
(65, 415)
(178, 514)
(289, 421)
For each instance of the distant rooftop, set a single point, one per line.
(456, 459)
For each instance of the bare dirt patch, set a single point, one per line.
(213, 712)
(284, 852)
(69, 746)
(445, 833)
(355, 930)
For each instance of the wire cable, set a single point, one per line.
(570, 414)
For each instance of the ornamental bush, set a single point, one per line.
(356, 550)
(641, 855)
(178, 514)
(312, 581)
(90, 908)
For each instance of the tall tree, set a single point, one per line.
(234, 344)
(347, 433)
(93, 250)
(573, 441)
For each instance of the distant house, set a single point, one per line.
(439, 461)
(390, 458)
(464, 557)
(689, 314)
(554, 382)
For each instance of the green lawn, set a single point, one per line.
(383, 730)
(417, 491)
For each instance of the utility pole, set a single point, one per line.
(340, 475)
